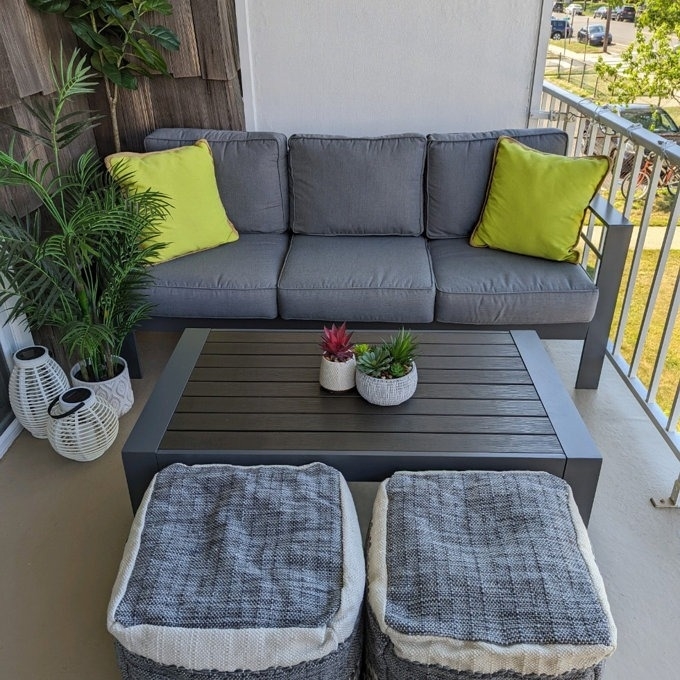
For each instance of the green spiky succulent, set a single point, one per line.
(393, 358)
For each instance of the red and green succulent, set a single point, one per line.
(336, 343)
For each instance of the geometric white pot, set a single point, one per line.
(387, 392)
(116, 391)
(337, 376)
(82, 426)
(36, 379)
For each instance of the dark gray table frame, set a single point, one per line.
(563, 445)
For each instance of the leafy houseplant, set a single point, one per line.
(79, 262)
(119, 39)
(337, 361)
(386, 373)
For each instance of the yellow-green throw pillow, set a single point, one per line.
(535, 202)
(196, 217)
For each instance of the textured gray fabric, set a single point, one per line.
(233, 281)
(344, 185)
(383, 664)
(486, 286)
(251, 171)
(230, 547)
(343, 664)
(507, 547)
(458, 170)
(357, 278)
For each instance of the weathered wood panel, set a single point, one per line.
(204, 90)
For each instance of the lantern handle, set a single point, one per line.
(77, 407)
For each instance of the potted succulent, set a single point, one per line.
(386, 373)
(338, 365)
(78, 264)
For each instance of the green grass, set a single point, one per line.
(643, 283)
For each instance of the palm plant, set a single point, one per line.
(80, 261)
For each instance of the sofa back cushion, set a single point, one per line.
(458, 171)
(251, 172)
(352, 186)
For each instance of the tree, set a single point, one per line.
(119, 40)
(649, 66)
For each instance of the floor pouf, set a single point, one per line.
(241, 572)
(476, 575)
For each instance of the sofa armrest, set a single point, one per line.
(608, 274)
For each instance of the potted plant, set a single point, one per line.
(337, 370)
(386, 373)
(78, 263)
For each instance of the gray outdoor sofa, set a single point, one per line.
(374, 231)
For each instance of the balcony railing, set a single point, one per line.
(644, 341)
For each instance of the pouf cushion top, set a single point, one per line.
(232, 567)
(462, 564)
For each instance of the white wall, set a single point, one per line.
(381, 66)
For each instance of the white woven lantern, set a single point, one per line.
(81, 425)
(36, 379)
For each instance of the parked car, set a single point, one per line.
(593, 34)
(574, 8)
(560, 28)
(601, 12)
(624, 13)
(558, 7)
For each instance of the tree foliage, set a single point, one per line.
(649, 66)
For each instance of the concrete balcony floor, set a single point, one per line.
(64, 525)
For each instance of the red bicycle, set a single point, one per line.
(669, 178)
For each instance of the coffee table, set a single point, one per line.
(485, 401)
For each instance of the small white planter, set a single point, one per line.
(337, 376)
(387, 392)
(35, 380)
(115, 391)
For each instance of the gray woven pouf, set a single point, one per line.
(241, 572)
(483, 575)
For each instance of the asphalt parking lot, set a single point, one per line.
(622, 32)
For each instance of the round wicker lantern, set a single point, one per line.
(387, 392)
(81, 425)
(36, 379)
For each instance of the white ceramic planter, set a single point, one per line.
(337, 376)
(35, 380)
(384, 392)
(115, 391)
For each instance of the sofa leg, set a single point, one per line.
(130, 354)
(592, 359)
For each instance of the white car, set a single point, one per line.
(574, 8)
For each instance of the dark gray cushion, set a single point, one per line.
(458, 170)
(485, 286)
(237, 280)
(344, 185)
(357, 278)
(251, 171)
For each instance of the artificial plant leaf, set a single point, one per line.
(149, 56)
(165, 37)
(51, 6)
(83, 29)
(160, 6)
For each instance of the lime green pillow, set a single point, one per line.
(196, 217)
(536, 202)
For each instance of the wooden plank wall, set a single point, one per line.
(204, 90)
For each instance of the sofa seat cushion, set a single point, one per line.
(349, 186)
(485, 286)
(251, 172)
(232, 281)
(357, 278)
